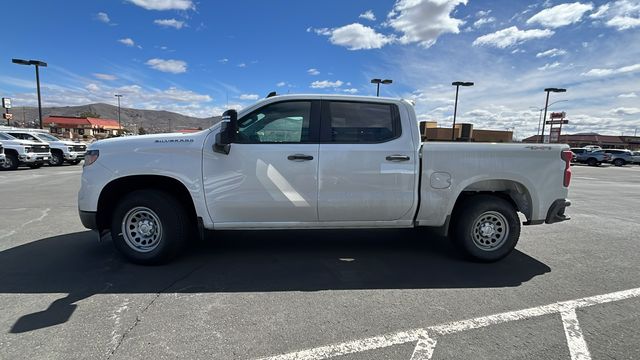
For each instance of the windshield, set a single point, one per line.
(47, 137)
(4, 136)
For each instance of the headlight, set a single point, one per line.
(27, 149)
(70, 148)
(90, 157)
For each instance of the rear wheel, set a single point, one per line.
(10, 162)
(618, 162)
(149, 227)
(592, 162)
(486, 228)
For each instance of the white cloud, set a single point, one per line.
(223, 61)
(511, 36)
(249, 97)
(551, 53)
(127, 41)
(621, 14)
(178, 24)
(180, 95)
(164, 4)
(92, 87)
(355, 37)
(326, 84)
(423, 21)
(368, 15)
(350, 91)
(483, 13)
(615, 71)
(104, 76)
(170, 66)
(313, 72)
(242, 65)
(560, 15)
(483, 21)
(628, 95)
(281, 84)
(549, 66)
(625, 111)
(103, 17)
(623, 22)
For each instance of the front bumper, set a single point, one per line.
(74, 156)
(31, 158)
(556, 211)
(89, 219)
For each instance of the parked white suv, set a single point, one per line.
(23, 152)
(61, 150)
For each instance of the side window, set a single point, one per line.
(360, 122)
(285, 122)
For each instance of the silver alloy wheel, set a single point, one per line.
(490, 230)
(8, 163)
(142, 229)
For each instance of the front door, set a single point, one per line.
(269, 178)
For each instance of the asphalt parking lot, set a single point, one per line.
(391, 294)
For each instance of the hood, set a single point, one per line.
(152, 140)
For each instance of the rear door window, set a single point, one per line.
(360, 122)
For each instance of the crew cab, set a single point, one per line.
(317, 162)
(61, 150)
(23, 152)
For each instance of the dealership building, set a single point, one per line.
(604, 141)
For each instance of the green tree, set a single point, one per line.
(89, 114)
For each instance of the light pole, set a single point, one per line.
(540, 110)
(37, 64)
(378, 82)
(546, 105)
(457, 84)
(119, 126)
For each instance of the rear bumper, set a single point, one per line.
(89, 219)
(556, 211)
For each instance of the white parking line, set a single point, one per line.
(426, 338)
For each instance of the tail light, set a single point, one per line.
(566, 155)
(90, 157)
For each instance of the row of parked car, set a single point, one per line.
(34, 149)
(595, 156)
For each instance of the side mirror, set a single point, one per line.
(227, 134)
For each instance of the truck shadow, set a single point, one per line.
(78, 265)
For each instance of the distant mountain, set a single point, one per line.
(152, 121)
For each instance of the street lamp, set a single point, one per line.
(378, 82)
(37, 64)
(119, 126)
(546, 105)
(457, 84)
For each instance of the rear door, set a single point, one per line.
(367, 163)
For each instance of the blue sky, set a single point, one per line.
(198, 57)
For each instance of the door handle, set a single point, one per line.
(398, 158)
(300, 157)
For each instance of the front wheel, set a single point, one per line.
(618, 162)
(56, 159)
(486, 229)
(10, 162)
(149, 227)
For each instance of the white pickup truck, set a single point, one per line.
(318, 161)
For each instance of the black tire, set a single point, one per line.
(618, 162)
(10, 162)
(170, 227)
(35, 166)
(56, 159)
(592, 162)
(74, 162)
(493, 215)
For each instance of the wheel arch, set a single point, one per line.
(118, 188)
